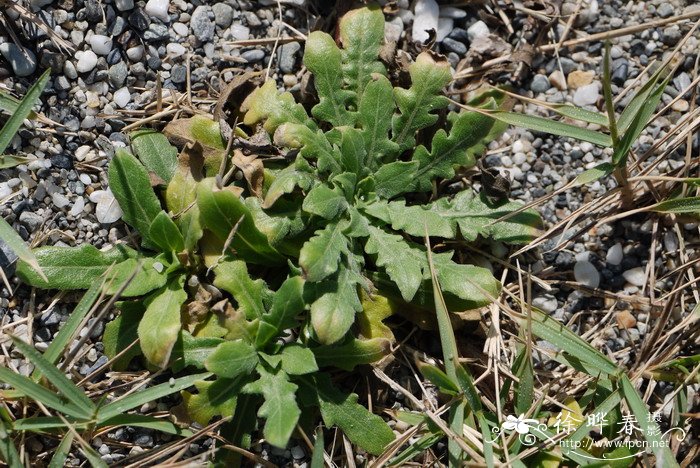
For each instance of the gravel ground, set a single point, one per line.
(106, 57)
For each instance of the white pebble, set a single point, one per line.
(445, 26)
(478, 29)
(635, 276)
(59, 200)
(426, 18)
(87, 60)
(107, 209)
(77, 207)
(240, 32)
(614, 255)
(586, 274)
(122, 97)
(586, 95)
(181, 29)
(158, 9)
(101, 45)
(85, 179)
(175, 49)
(135, 53)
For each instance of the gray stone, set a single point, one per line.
(586, 95)
(540, 84)
(454, 46)
(287, 56)
(202, 27)
(478, 29)
(23, 61)
(223, 14)
(30, 220)
(253, 55)
(156, 32)
(178, 74)
(664, 10)
(117, 75)
(124, 5)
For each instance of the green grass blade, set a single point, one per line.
(549, 329)
(24, 109)
(61, 454)
(638, 101)
(147, 422)
(127, 403)
(7, 161)
(12, 239)
(319, 448)
(541, 124)
(57, 378)
(8, 452)
(598, 172)
(70, 329)
(649, 428)
(45, 424)
(416, 448)
(678, 205)
(578, 113)
(41, 394)
(486, 437)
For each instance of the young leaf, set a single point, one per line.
(134, 400)
(17, 245)
(323, 58)
(165, 234)
(361, 33)
(320, 255)
(375, 111)
(353, 152)
(221, 211)
(149, 274)
(121, 333)
(160, 326)
(340, 409)
(353, 353)
(23, 110)
(217, 398)
(232, 276)
(325, 202)
(450, 150)
(298, 360)
(190, 228)
(275, 108)
(418, 103)
(131, 185)
(71, 267)
(333, 312)
(287, 303)
(280, 408)
(155, 152)
(232, 359)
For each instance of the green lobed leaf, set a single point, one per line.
(287, 303)
(333, 312)
(22, 250)
(160, 326)
(280, 409)
(275, 108)
(325, 202)
(155, 152)
(300, 174)
(456, 149)
(375, 111)
(214, 398)
(323, 58)
(353, 151)
(131, 186)
(165, 234)
(417, 105)
(193, 351)
(71, 267)
(362, 427)
(473, 215)
(232, 359)
(361, 34)
(22, 111)
(297, 359)
(232, 276)
(221, 210)
(121, 333)
(313, 145)
(395, 178)
(353, 353)
(321, 254)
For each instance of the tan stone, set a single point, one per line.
(578, 78)
(556, 79)
(680, 105)
(625, 320)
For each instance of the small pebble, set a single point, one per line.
(158, 9)
(625, 320)
(426, 17)
(635, 276)
(478, 30)
(586, 95)
(101, 45)
(614, 255)
(87, 60)
(586, 274)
